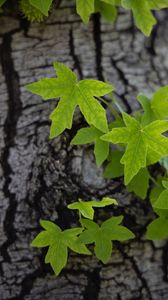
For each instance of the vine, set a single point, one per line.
(77, 238)
(37, 10)
(129, 144)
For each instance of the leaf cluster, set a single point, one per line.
(60, 242)
(33, 10)
(140, 139)
(128, 146)
(141, 10)
(37, 10)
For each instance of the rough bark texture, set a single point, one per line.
(39, 177)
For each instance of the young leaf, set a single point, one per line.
(158, 229)
(157, 4)
(162, 201)
(42, 5)
(85, 8)
(142, 14)
(86, 207)
(114, 168)
(107, 9)
(145, 144)
(140, 183)
(148, 116)
(58, 242)
(92, 135)
(159, 103)
(72, 93)
(103, 235)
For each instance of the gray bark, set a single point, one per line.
(39, 177)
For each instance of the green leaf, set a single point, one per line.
(2, 2)
(148, 115)
(86, 207)
(162, 201)
(159, 103)
(78, 247)
(50, 226)
(158, 229)
(154, 195)
(71, 239)
(107, 10)
(155, 192)
(114, 168)
(92, 135)
(72, 93)
(145, 144)
(57, 256)
(102, 236)
(89, 224)
(165, 184)
(58, 242)
(112, 2)
(113, 221)
(106, 201)
(85, 8)
(142, 14)
(119, 233)
(86, 135)
(140, 183)
(101, 151)
(157, 143)
(43, 6)
(43, 239)
(157, 4)
(103, 247)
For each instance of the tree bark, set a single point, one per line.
(39, 177)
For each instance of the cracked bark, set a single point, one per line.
(39, 177)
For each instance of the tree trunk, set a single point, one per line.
(39, 177)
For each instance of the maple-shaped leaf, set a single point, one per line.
(102, 236)
(86, 207)
(143, 16)
(72, 93)
(43, 6)
(140, 183)
(90, 135)
(145, 144)
(58, 242)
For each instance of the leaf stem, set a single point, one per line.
(110, 106)
(153, 179)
